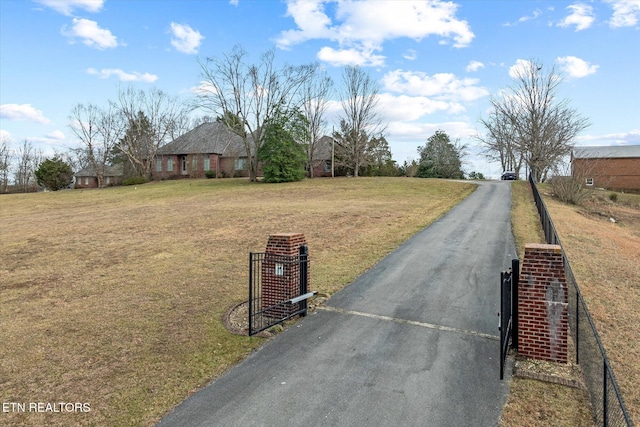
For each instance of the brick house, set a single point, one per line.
(86, 178)
(208, 147)
(322, 157)
(612, 167)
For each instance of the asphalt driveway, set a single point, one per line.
(413, 341)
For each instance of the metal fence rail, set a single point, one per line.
(606, 400)
(266, 311)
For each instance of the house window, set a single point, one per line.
(159, 164)
(108, 180)
(184, 165)
(589, 182)
(194, 163)
(207, 163)
(170, 164)
(327, 166)
(240, 164)
(86, 180)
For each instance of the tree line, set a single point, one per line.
(279, 114)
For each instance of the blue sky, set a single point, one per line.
(437, 62)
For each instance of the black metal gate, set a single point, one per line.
(508, 311)
(275, 305)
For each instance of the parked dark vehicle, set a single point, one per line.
(509, 176)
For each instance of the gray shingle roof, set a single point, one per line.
(606, 152)
(323, 148)
(208, 138)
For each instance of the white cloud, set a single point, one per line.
(91, 34)
(22, 112)
(124, 76)
(519, 68)
(365, 26)
(581, 16)
(233, 2)
(623, 138)
(536, 13)
(440, 86)
(474, 66)
(410, 55)
(203, 89)
(409, 108)
(185, 39)
(350, 57)
(66, 7)
(626, 13)
(576, 67)
(5, 137)
(56, 134)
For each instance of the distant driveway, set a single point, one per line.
(412, 342)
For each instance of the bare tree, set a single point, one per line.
(542, 126)
(500, 143)
(162, 114)
(247, 96)
(99, 131)
(28, 160)
(315, 92)
(360, 121)
(5, 165)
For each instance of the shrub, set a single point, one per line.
(210, 174)
(568, 189)
(134, 180)
(613, 197)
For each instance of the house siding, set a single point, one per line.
(616, 173)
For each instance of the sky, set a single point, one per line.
(438, 63)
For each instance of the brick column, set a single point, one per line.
(281, 273)
(542, 304)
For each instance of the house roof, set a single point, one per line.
(323, 148)
(606, 152)
(115, 170)
(208, 138)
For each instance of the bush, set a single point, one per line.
(134, 180)
(568, 189)
(210, 174)
(613, 197)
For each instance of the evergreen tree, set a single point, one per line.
(54, 174)
(440, 158)
(282, 156)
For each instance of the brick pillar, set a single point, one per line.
(281, 273)
(542, 304)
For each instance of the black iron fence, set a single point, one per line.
(508, 311)
(278, 288)
(606, 400)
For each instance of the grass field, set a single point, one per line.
(114, 297)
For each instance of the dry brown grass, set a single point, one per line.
(114, 297)
(605, 258)
(533, 403)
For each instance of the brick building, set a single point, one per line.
(612, 167)
(208, 147)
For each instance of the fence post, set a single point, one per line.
(605, 421)
(304, 276)
(515, 278)
(575, 288)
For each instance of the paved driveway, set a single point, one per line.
(412, 342)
